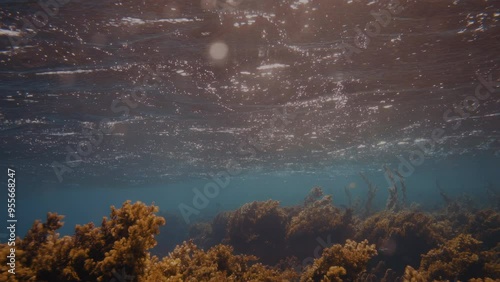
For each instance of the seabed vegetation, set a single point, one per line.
(263, 241)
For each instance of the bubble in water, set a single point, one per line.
(218, 51)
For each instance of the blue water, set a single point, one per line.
(467, 175)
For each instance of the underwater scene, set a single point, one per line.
(249, 140)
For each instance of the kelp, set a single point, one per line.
(372, 191)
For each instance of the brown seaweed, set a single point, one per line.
(372, 190)
(258, 228)
(262, 241)
(392, 203)
(340, 262)
(319, 219)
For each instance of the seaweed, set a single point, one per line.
(493, 196)
(92, 253)
(457, 259)
(348, 193)
(372, 190)
(315, 194)
(392, 200)
(412, 275)
(402, 237)
(392, 203)
(453, 209)
(201, 234)
(340, 262)
(262, 241)
(258, 228)
(318, 219)
(171, 235)
(190, 264)
(219, 226)
(403, 188)
(485, 226)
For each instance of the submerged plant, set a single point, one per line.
(258, 228)
(403, 188)
(319, 219)
(411, 246)
(340, 262)
(92, 253)
(406, 234)
(458, 258)
(392, 203)
(484, 225)
(493, 196)
(348, 193)
(315, 194)
(372, 190)
(189, 263)
(412, 275)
